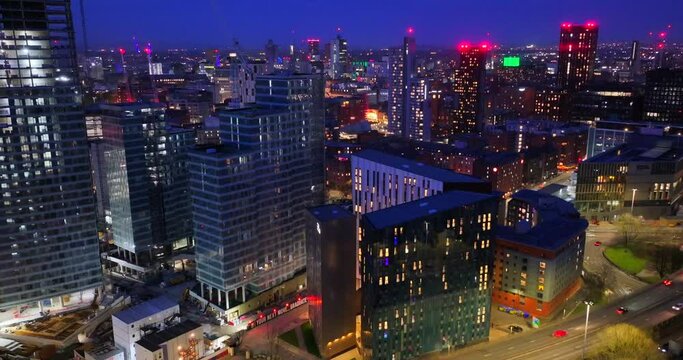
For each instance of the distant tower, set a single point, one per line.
(339, 57)
(271, 56)
(313, 49)
(578, 47)
(469, 85)
(634, 59)
(401, 71)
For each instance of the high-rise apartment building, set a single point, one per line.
(401, 72)
(340, 59)
(664, 96)
(147, 184)
(250, 193)
(578, 47)
(469, 85)
(426, 269)
(49, 256)
(419, 122)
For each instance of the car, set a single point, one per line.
(515, 329)
(559, 333)
(664, 347)
(622, 310)
(597, 243)
(678, 306)
(667, 282)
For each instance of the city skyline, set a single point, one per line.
(212, 23)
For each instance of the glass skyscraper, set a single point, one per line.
(147, 185)
(49, 254)
(250, 194)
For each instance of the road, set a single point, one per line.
(618, 282)
(647, 307)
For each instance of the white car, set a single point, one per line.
(678, 307)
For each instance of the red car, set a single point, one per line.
(667, 282)
(597, 243)
(559, 333)
(621, 310)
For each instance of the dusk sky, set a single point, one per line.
(378, 23)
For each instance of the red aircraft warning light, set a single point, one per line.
(410, 30)
(566, 25)
(122, 51)
(591, 24)
(463, 46)
(148, 51)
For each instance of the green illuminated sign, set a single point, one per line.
(511, 61)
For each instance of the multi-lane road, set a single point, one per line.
(649, 306)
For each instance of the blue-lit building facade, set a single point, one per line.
(250, 193)
(48, 238)
(145, 165)
(425, 273)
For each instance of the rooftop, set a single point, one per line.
(421, 208)
(415, 167)
(330, 212)
(547, 205)
(252, 111)
(548, 235)
(145, 309)
(663, 150)
(152, 342)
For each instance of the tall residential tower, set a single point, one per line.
(401, 72)
(578, 47)
(49, 253)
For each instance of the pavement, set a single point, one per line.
(263, 339)
(647, 307)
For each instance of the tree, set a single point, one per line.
(624, 342)
(628, 226)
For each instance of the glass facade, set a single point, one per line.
(250, 194)
(145, 167)
(48, 238)
(425, 279)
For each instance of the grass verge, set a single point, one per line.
(624, 259)
(309, 339)
(290, 337)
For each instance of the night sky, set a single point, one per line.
(373, 23)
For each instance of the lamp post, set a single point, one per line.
(633, 199)
(585, 329)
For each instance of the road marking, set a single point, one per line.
(487, 355)
(532, 340)
(511, 347)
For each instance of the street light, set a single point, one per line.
(585, 329)
(633, 199)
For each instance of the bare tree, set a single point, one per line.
(628, 226)
(624, 342)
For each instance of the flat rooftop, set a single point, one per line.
(416, 167)
(252, 111)
(421, 208)
(153, 342)
(639, 152)
(547, 205)
(145, 309)
(331, 212)
(548, 235)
